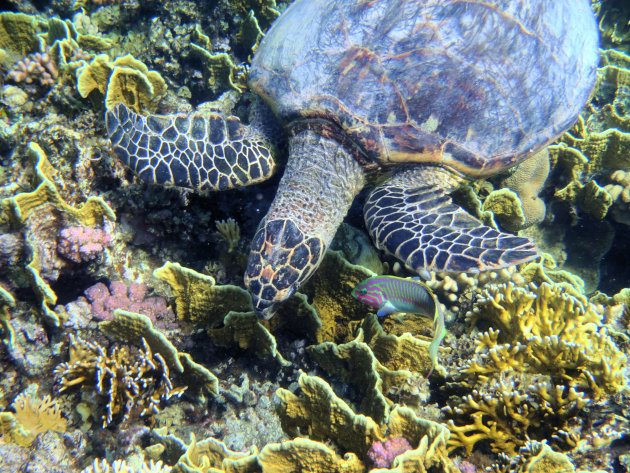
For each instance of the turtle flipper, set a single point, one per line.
(200, 151)
(423, 228)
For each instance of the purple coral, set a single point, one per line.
(383, 454)
(35, 67)
(81, 244)
(131, 298)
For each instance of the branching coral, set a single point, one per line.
(545, 357)
(508, 417)
(120, 466)
(130, 383)
(229, 231)
(542, 329)
(35, 68)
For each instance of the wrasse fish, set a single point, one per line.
(390, 294)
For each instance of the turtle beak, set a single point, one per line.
(266, 308)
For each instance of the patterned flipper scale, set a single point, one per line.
(200, 151)
(424, 229)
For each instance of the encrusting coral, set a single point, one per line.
(128, 382)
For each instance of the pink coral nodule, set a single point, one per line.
(383, 454)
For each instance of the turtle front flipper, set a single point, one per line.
(412, 217)
(201, 151)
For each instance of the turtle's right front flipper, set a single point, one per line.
(201, 151)
(412, 217)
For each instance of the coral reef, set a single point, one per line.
(127, 383)
(383, 454)
(131, 298)
(31, 417)
(138, 329)
(81, 244)
(35, 68)
(547, 331)
(545, 357)
(120, 466)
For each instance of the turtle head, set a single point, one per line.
(282, 257)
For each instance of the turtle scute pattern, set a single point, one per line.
(203, 151)
(425, 230)
(298, 254)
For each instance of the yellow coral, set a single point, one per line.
(547, 331)
(198, 299)
(134, 328)
(129, 383)
(507, 417)
(120, 466)
(32, 417)
(211, 455)
(229, 231)
(25, 204)
(124, 80)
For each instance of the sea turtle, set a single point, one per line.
(432, 92)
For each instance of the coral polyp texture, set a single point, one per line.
(546, 356)
(32, 416)
(542, 329)
(129, 342)
(128, 382)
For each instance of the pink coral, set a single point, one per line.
(81, 244)
(383, 454)
(35, 67)
(131, 298)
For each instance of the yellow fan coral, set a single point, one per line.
(542, 329)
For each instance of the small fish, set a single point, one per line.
(390, 294)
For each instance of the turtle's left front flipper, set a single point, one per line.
(204, 151)
(412, 217)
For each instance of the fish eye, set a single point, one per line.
(363, 291)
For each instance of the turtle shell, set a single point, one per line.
(475, 86)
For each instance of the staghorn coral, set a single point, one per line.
(128, 383)
(545, 357)
(120, 466)
(35, 68)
